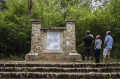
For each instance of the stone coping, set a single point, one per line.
(53, 28)
(74, 54)
(36, 20)
(70, 20)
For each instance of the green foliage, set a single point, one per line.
(2, 5)
(15, 28)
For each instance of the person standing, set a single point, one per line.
(88, 42)
(97, 48)
(108, 43)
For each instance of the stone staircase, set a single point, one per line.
(59, 71)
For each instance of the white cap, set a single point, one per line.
(108, 32)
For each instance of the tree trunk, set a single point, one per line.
(30, 4)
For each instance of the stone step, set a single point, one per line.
(61, 65)
(47, 75)
(57, 69)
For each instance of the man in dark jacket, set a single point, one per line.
(88, 42)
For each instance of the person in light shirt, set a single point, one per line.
(97, 48)
(108, 43)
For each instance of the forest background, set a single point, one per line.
(15, 27)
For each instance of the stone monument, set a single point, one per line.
(53, 43)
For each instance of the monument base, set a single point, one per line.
(53, 57)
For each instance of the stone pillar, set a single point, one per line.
(35, 40)
(70, 36)
(35, 43)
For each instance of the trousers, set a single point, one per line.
(97, 55)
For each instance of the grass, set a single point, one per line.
(21, 60)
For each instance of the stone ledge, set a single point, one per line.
(36, 20)
(58, 69)
(53, 28)
(32, 54)
(74, 54)
(59, 75)
(67, 65)
(53, 57)
(71, 20)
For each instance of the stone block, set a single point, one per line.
(31, 57)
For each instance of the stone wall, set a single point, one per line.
(67, 44)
